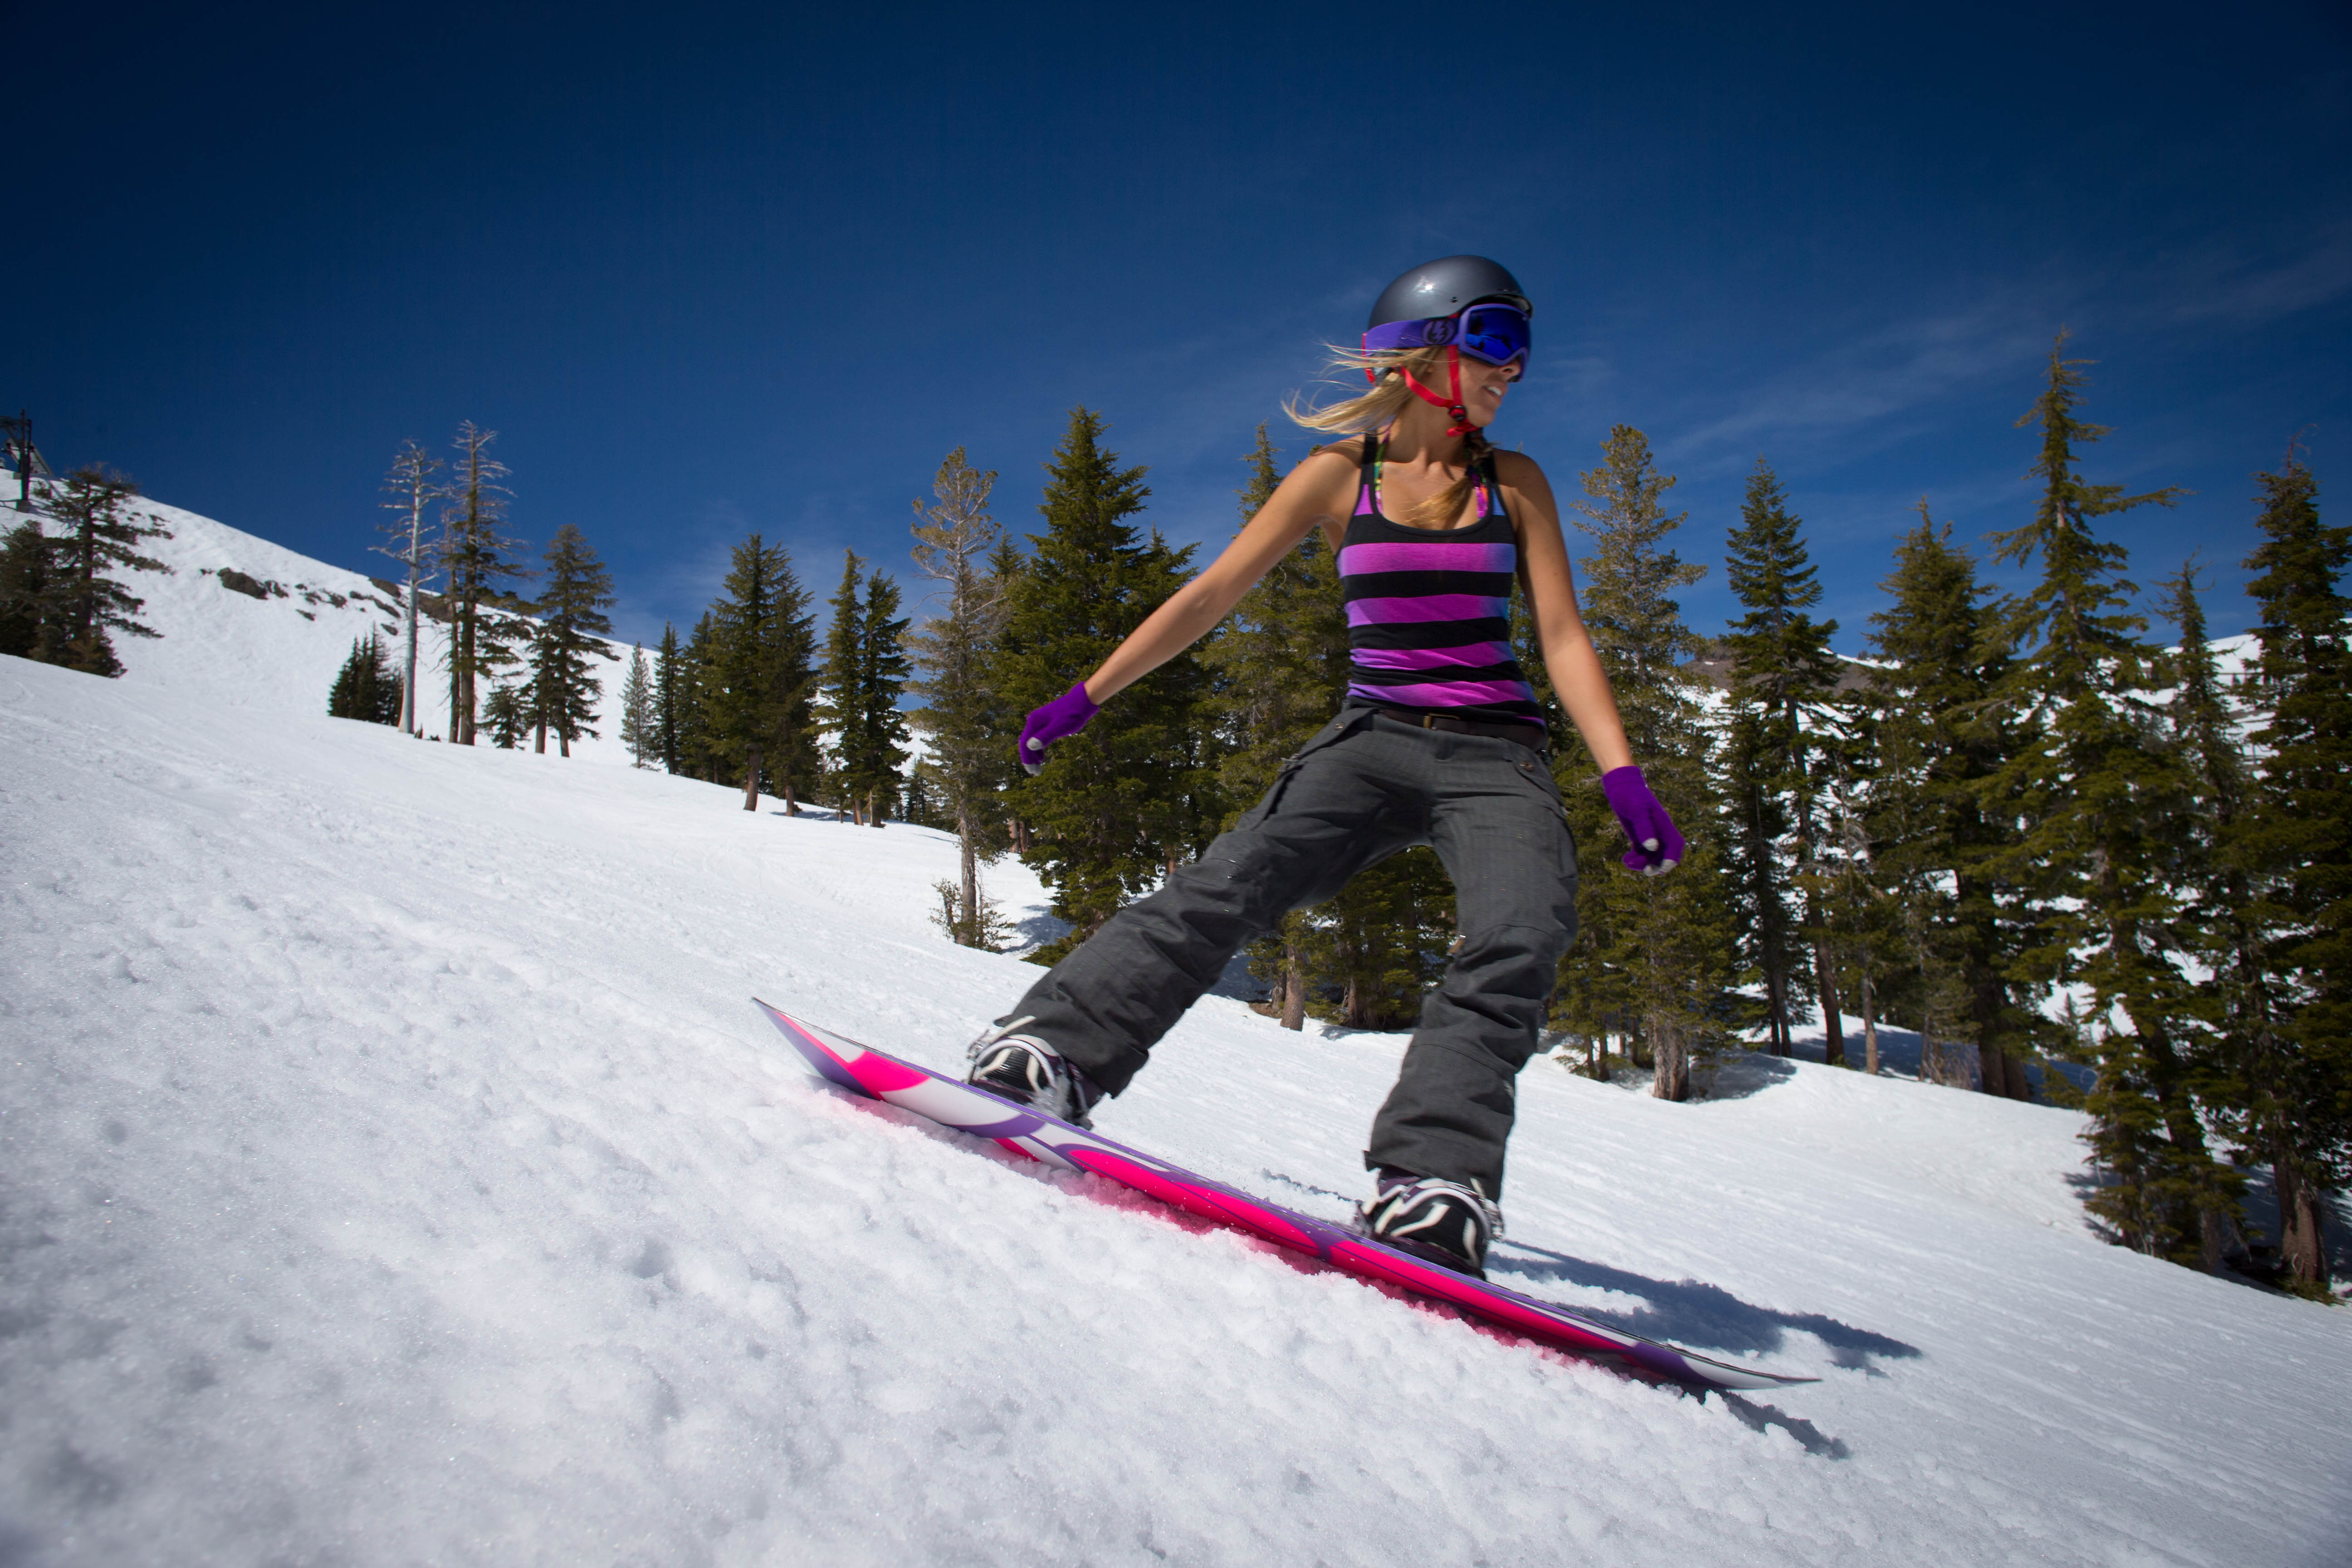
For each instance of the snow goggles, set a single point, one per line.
(1492, 332)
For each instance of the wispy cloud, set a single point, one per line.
(1874, 380)
(2220, 281)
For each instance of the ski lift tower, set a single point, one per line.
(16, 443)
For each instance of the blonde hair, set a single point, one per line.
(1369, 413)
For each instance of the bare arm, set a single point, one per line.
(1569, 655)
(1312, 494)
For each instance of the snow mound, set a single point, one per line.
(392, 1170)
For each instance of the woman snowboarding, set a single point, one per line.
(1438, 741)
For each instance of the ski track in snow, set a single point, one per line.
(392, 1170)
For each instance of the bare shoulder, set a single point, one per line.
(1520, 471)
(1347, 453)
(1328, 471)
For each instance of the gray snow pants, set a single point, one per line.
(1364, 788)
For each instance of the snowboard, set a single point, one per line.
(957, 1105)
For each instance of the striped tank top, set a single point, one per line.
(1429, 612)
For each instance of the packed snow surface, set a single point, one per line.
(392, 1170)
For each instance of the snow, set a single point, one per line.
(392, 1170)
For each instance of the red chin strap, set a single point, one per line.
(1452, 406)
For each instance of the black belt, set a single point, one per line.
(1528, 734)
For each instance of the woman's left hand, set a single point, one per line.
(1658, 845)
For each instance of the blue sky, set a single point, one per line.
(711, 269)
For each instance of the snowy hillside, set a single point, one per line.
(279, 650)
(392, 1170)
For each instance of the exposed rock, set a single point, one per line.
(237, 582)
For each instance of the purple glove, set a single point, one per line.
(1657, 843)
(1060, 719)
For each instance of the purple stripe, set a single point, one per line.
(1427, 607)
(1435, 556)
(1445, 693)
(1472, 654)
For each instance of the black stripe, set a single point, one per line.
(1419, 584)
(1509, 670)
(1431, 634)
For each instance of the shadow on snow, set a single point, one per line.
(1703, 1317)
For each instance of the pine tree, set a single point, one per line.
(24, 588)
(473, 552)
(1652, 959)
(640, 718)
(412, 488)
(1783, 675)
(570, 621)
(671, 686)
(1118, 805)
(841, 697)
(1941, 743)
(1000, 720)
(2107, 806)
(882, 671)
(2239, 999)
(507, 715)
(759, 684)
(1280, 663)
(701, 695)
(97, 532)
(2293, 1092)
(962, 719)
(367, 688)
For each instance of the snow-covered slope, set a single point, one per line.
(391, 1170)
(279, 652)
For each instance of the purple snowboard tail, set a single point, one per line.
(958, 1105)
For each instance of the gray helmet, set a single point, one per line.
(1443, 286)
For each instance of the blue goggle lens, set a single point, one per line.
(1496, 333)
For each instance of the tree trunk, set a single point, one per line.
(1294, 986)
(1930, 1070)
(408, 692)
(466, 672)
(1670, 1073)
(1869, 1025)
(2222, 1244)
(1776, 1001)
(751, 781)
(2013, 1080)
(542, 747)
(873, 812)
(1991, 1076)
(456, 658)
(2303, 1245)
(1832, 1010)
(791, 806)
(970, 855)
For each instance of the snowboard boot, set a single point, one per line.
(1445, 1223)
(1027, 1071)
